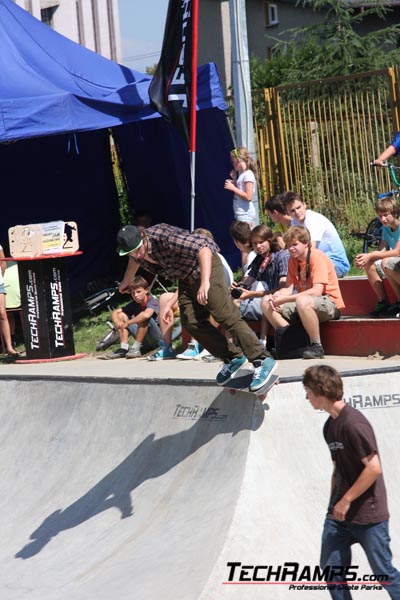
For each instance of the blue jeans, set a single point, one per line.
(337, 539)
(152, 337)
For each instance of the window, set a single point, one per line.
(271, 14)
(271, 52)
(46, 15)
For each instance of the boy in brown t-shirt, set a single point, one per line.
(358, 511)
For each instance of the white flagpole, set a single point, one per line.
(193, 115)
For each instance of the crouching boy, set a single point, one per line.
(137, 318)
(311, 292)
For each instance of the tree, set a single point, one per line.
(331, 48)
(151, 70)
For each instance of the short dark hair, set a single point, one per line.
(265, 233)
(324, 380)
(275, 203)
(138, 282)
(261, 231)
(289, 197)
(241, 231)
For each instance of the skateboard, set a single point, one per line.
(242, 379)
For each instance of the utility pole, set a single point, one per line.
(241, 81)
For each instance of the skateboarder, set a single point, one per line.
(202, 291)
(357, 511)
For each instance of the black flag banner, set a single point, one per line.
(169, 89)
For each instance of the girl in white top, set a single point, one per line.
(243, 185)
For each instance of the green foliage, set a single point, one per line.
(89, 330)
(151, 70)
(353, 246)
(125, 210)
(330, 48)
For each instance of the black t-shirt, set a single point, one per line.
(350, 438)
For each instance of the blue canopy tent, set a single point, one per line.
(57, 101)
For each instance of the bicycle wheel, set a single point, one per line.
(372, 235)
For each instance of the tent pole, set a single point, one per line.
(193, 116)
(192, 189)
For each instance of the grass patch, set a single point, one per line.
(89, 330)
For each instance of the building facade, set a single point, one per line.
(267, 22)
(91, 23)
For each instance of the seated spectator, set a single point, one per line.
(276, 211)
(323, 233)
(143, 218)
(265, 274)
(227, 269)
(195, 350)
(311, 292)
(385, 259)
(240, 232)
(137, 318)
(13, 294)
(168, 308)
(391, 267)
(4, 324)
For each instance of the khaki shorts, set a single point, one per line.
(393, 264)
(324, 307)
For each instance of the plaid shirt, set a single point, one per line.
(176, 251)
(277, 268)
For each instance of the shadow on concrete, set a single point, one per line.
(152, 458)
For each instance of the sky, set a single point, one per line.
(142, 29)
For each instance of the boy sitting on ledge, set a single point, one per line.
(137, 318)
(384, 260)
(311, 292)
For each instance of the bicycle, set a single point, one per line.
(96, 300)
(372, 236)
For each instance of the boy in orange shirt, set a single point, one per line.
(311, 292)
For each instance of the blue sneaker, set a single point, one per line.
(263, 370)
(192, 351)
(164, 352)
(229, 367)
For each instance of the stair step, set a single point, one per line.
(361, 336)
(359, 296)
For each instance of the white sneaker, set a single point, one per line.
(192, 351)
(202, 354)
(134, 352)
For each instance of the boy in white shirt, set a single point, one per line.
(324, 235)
